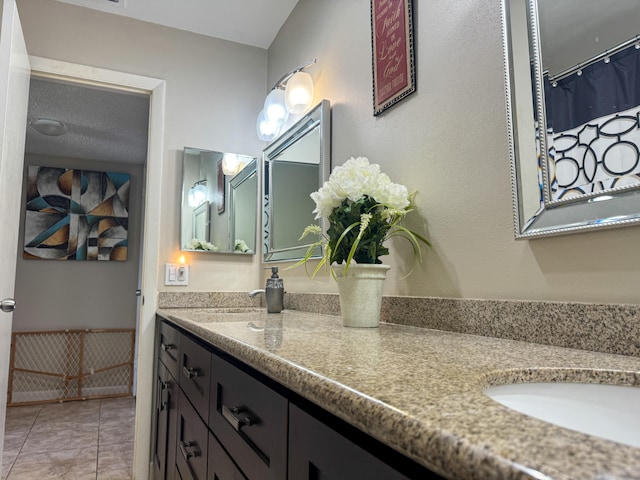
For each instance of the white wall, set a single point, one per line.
(55, 295)
(449, 141)
(214, 92)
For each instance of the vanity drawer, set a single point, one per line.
(318, 451)
(250, 420)
(195, 374)
(221, 467)
(192, 448)
(168, 347)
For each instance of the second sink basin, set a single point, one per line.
(608, 411)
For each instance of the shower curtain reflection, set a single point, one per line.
(593, 130)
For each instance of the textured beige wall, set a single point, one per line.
(449, 141)
(214, 92)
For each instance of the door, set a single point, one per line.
(14, 97)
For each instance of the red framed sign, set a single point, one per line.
(394, 74)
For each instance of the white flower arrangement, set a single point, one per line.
(195, 244)
(241, 246)
(364, 208)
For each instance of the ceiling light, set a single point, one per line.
(49, 127)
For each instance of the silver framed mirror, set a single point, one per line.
(574, 141)
(294, 165)
(219, 211)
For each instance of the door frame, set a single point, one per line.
(151, 230)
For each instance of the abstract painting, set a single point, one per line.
(76, 214)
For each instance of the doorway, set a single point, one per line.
(155, 88)
(100, 135)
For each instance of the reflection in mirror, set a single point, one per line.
(580, 59)
(294, 165)
(219, 210)
(201, 221)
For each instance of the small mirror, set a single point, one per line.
(295, 165)
(219, 210)
(573, 98)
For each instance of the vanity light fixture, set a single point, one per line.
(197, 193)
(293, 93)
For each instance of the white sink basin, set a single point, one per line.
(607, 411)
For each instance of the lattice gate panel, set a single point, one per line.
(70, 365)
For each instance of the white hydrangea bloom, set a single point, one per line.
(325, 200)
(355, 179)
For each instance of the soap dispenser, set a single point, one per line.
(274, 292)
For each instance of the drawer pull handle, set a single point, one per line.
(186, 454)
(190, 372)
(167, 346)
(232, 415)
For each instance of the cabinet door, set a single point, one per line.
(193, 437)
(221, 467)
(316, 452)
(165, 417)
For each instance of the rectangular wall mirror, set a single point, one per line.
(219, 202)
(573, 101)
(294, 165)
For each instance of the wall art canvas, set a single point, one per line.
(76, 214)
(394, 73)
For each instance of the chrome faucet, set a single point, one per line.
(253, 293)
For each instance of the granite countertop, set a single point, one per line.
(420, 390)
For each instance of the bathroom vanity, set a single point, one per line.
(246, 394)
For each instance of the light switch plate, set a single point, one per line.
(176, 274)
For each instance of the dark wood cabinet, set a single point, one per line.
(165, 421)
(168, 347)
(193, 442)
(250, 420)
(218, 419)
(221, 467)
(195, 374)
(318, 452)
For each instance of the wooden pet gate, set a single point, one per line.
(59, 366)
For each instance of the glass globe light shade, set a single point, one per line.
(197, 195)
(275, 107)
(231, 164)
(267, 131)
(299, 93)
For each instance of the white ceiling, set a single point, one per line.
(111, 125)
(252, 22)
(104, 125)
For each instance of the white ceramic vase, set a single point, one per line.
(361, 293)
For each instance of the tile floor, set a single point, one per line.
(90, 439)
